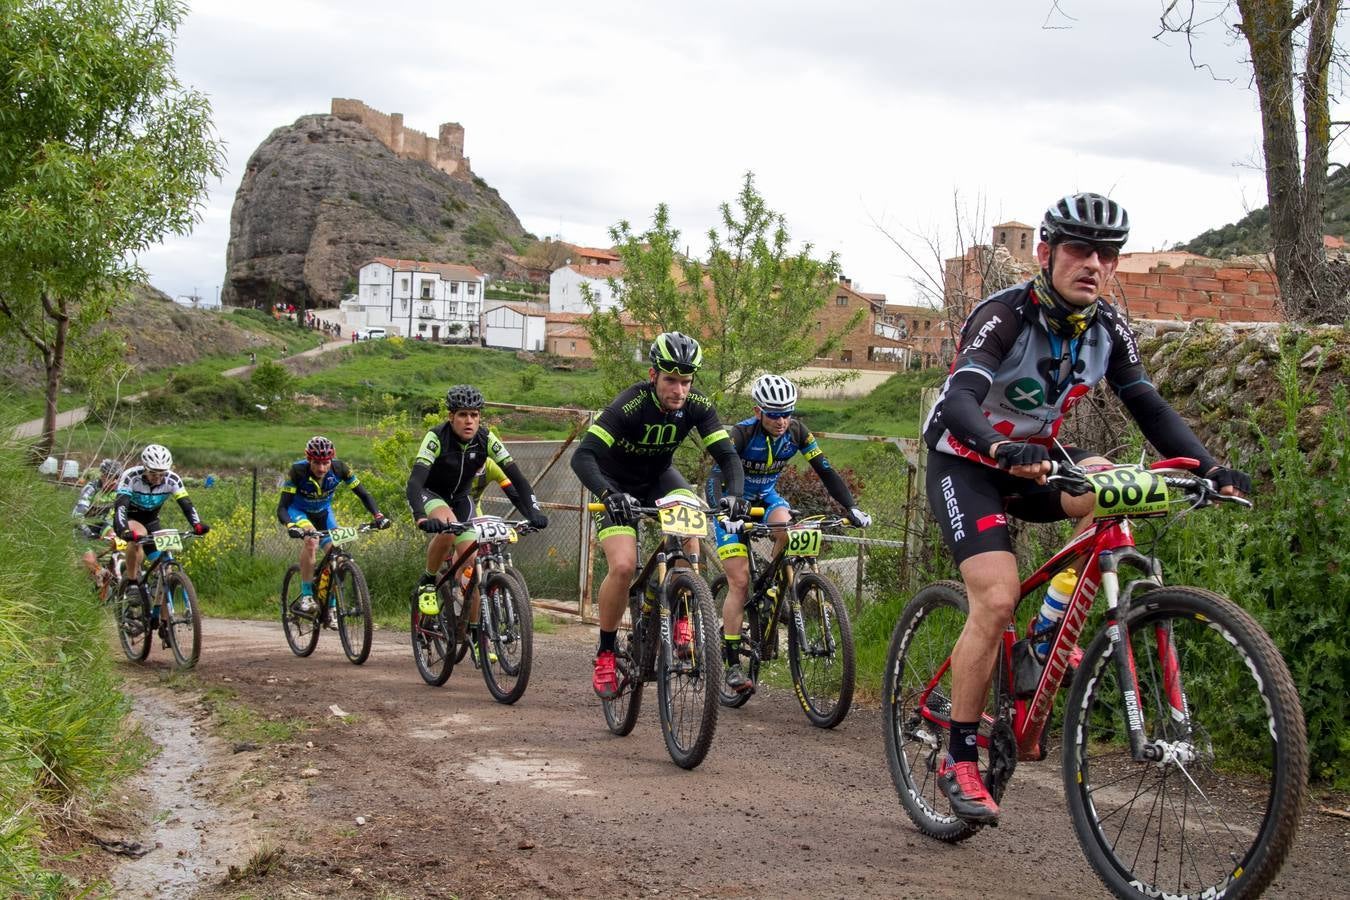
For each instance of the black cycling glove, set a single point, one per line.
(733, 507)
(1011, 453)
(620, 507)
(1224, 477)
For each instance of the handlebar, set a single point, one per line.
(755, 511)
(436, 526)
(1073, 479)
(312, 532)
(149, 539)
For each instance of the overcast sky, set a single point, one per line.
(849, 113)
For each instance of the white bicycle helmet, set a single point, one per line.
(157, 456)
(774, 393)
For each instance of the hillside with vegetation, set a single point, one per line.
(1251, 233)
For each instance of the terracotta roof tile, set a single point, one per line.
(448, 271)
(591, 271)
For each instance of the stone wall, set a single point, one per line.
(445, 152)
(1225, 291)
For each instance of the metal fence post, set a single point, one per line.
(253, 515)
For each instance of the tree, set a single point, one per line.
(752, 306)
(1295, 108)
(102, 153)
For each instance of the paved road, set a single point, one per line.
(33, 428)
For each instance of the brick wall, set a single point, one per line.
(1226, 291)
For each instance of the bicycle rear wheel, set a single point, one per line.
(822, 670)
(185, 620)
(916, 707)
(301, 629)
(432, 636)
(351, 598)
(688, 682)
(132, 611)
(505, 638)
(1216, 814)
(749, 658)
(621, 713)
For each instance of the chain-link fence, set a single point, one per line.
(564, 565)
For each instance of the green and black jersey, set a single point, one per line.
(634, 441)
(446, 467)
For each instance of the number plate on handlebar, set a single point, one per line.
(1128, 491)
(168, 540)
(803, 540)
(491, 529)
(681, 517)
(343, 535)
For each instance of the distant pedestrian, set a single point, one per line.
(353, 336)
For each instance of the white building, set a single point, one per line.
(514, 326)
(411, 297)
(564, 287)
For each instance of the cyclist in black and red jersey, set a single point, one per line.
(625, 460)
(1026, 355)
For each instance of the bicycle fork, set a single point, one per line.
(1142, 747)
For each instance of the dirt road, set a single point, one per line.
(461, 796)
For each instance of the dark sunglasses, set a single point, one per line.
(675, 369)
(1084, 249)
(778, 415)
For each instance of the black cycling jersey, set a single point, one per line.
(1014, 380)
(446, 467)
(634, 439)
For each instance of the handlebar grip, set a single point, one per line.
(757, 512)
(595, 507)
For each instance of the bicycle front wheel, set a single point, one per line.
(505, 638)
(351, 598)
(432, 642)
(621, 713)
(133, 621)
(916, 706)
(1214, 814)
(301, 629)
(689, 672)
(822, 667)
(184, 619)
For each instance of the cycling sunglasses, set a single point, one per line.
(779, 415)
(675, 368)
(1083, 249)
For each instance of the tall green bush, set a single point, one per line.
(62, 738)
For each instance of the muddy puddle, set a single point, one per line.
(182, 851)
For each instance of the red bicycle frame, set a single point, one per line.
(1096, 554)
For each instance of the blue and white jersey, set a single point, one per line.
(763, 458)
(142, 495)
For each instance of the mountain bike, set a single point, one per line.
(687, 676)
(340, 594)
(1185, 759)
(502, 646)
(166, 587)
(791, 588)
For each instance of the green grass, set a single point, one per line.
(892, 409)
(63, 741)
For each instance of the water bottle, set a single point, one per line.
(1052, 610)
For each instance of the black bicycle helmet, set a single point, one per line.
(110, 468)
(1086, 217)
(463, 396)
(319, 448)
(676, 353)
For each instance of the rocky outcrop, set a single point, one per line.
(323, 196)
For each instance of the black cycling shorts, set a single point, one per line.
(647, 494)
(972, 501)
(147, 517)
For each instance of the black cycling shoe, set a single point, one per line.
(164, 635)
(738, 681)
